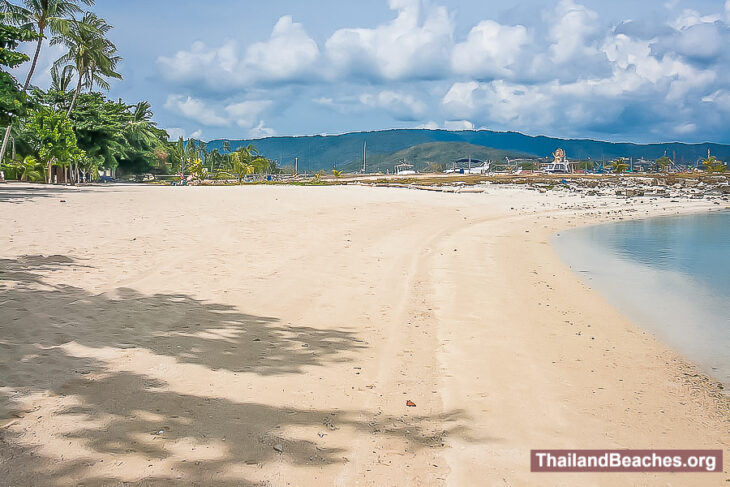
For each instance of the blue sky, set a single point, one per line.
(619, 71)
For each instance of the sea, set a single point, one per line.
(669, 275)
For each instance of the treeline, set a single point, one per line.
(193, 159)
(71, 131)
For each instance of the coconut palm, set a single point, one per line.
(28, 169)
(619, 165)
(143, 113)
(90, 54)
(42, 16)
(242, 163)
(141, 124)
(61, 80)
(712, 164)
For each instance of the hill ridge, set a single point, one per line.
(325, 151)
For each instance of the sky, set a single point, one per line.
(618, 71)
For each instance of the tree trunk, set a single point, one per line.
(5, 143)
(76, 94)
(25, 88)
(35, 61)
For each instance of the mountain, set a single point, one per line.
(440, 152)
(345, 151)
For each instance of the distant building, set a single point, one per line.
(641, 165)
(404, 169)
(468, 166)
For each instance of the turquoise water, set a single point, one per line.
(670, 275)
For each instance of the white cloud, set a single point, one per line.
(430, 125)
(402, 105)
(198, 134)
(685, 128)
(500, 102)
(490, 50)
(703, 41)
(246, 114)
(690, 17)
(215, 66)
(416, 44)
(261, 130)
(194, 109)
(458, 125)
(720, 98)
(572, 29)
(459, 100)
(288, 53)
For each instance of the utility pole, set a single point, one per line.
(296, 166)
(364, 157)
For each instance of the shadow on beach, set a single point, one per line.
(21, 192)
(125, 413)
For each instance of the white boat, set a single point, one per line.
(404, 169)
(483, 169)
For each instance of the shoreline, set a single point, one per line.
(249, 320)
(546, 265)
(656, 312)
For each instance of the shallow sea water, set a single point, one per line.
(670, 275)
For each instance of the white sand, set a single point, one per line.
(155, 334)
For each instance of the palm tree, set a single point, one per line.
(242, 163)
(619, 165)
(712, 164)
(42, 15)
(61, 80)
(140, 129)
(141, 121)
(90, 54)
(28, 169)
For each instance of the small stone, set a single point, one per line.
(278, 448)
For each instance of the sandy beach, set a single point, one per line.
(271, 335)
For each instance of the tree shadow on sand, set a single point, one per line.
(192, 331)
(21, 193)
(132, 416)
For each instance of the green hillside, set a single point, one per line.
(345, 150)
(438, 152)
